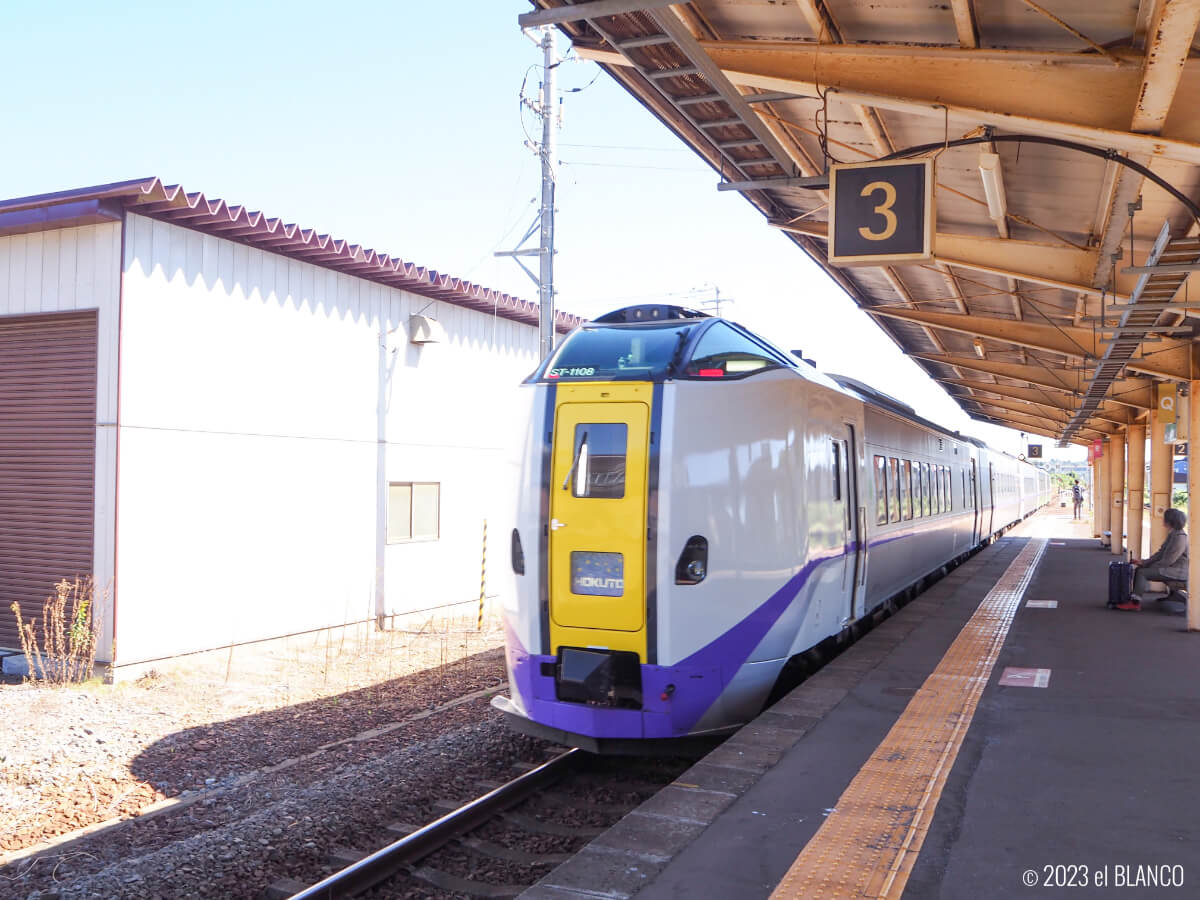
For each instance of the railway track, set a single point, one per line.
(502, 841)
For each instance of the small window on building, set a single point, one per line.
(881, 506)
(906, 499)
(414, 511)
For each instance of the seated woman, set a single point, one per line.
(1170, 563)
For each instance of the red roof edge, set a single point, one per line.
(170, 203)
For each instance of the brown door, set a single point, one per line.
(47, 458)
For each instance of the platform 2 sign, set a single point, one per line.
(881, 212)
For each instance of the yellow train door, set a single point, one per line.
(597, 527)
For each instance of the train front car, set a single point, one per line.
(662, 533)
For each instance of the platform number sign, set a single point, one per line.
(881, 212)
(1035, 451)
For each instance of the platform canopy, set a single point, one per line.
(1085, 114)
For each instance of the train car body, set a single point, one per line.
(698, 507)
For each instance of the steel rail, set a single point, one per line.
(395, 857)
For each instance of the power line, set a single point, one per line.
(628, 147)
(600, 165)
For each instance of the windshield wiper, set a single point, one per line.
(677, 356)
(579, 452)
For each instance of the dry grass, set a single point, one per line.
(295, 670)
(66, 653)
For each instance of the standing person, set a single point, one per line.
(1077, 497)
(1169, 563)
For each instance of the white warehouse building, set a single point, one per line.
(242, 429)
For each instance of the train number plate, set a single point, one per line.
(597, 574)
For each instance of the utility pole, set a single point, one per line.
(715, 303)
(547, 109)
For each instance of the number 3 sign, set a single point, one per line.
(882, 212)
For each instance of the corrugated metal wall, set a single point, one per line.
(47, 457)
(266, 404)
(70, 270)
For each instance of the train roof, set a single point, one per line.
(660, 315)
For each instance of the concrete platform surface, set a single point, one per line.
(1087, 779)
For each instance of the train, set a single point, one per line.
(697, 508)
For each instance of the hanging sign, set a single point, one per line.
(1097, 449)
(881, 212)
(1035, 451)
(1166, 398)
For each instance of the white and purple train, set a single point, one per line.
(697, 507)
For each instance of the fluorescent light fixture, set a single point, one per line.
(993, 185)
(978, 345)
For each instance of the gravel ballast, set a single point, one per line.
(236, 764)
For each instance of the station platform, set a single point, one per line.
(1004, 734)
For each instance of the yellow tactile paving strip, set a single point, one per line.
(869, 843)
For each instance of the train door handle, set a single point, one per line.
(555, 524)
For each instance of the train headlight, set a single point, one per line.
(692, 566)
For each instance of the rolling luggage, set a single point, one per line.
(1120, 582)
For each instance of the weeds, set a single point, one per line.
(66, 653)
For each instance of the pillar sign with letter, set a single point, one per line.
(1166, 398)
(881, 212)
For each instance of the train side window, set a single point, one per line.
(938, 499)
(837, 471)
(598, 464)
(881, 495)
(906, 499)
(893, 489)
(918, 492)
(722, 352)
(949, 488)
(926, 490)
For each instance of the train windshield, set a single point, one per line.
(615, 351)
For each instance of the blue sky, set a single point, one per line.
(397, 125)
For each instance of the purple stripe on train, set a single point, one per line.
(699, 679)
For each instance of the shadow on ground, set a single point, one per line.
(217, 754)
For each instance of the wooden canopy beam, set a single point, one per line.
(1050, 265)
(1076, 96)
(1053, 398)
(1031, 424)
(1173, 361)
(1054, 416)
(1135, 392)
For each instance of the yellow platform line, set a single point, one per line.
(869, 843)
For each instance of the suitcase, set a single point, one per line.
(1120, 582)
